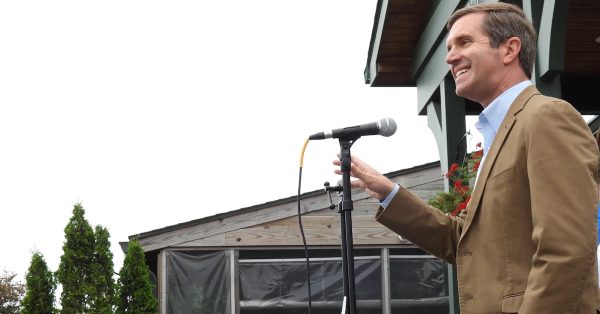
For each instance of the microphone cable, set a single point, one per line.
(301, 228)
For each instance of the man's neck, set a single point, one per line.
(509, 80)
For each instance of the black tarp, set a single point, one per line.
(198, 283)
(283, 284)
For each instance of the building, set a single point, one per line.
(252, 260)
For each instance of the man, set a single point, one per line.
(528, 242)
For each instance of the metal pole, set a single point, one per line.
(346, 211)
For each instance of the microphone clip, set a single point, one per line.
(328, 188)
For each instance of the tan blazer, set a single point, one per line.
(528, 242)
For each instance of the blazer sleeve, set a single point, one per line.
(562, 166)
(425, 226)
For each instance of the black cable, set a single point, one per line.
(302, 230)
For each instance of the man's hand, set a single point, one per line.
(369, 179)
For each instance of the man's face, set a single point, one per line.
(475, 66)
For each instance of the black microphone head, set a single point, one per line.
(387, 127)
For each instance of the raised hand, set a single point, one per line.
(368, 179)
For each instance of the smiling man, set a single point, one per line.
(528, 242)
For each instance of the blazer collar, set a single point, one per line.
(490, 158)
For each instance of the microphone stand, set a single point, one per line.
(345, 210)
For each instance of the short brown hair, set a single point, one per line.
(503, 21)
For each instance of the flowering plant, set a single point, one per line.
(455, 201)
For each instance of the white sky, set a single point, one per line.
(152, 113)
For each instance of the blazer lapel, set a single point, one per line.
(492, 154)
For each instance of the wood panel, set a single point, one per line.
(582, 52)
(211, 228)
(217, 240)
(319, 222)
(322, 229)
(282, 218)
(404, 22)
(327, 236)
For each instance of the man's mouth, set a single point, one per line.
(461, 72)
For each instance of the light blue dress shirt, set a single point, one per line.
(489, 121)
(492, 116)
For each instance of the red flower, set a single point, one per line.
(453, 167)
(455, 212)
(458, 184)
(458, 209)
(451, 171)
(461, 189)
(462, 206)
(456, 199)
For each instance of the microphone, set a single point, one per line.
(385, 127)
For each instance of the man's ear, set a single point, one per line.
(512, 49)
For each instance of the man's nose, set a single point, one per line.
(451, 57)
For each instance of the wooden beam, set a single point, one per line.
(278, 237)
(533, 9)
(552, 38)
(551, 47)
(431, 76)
(446, 119)
(433, 33)
(162, 281)
(233, 281)
(320, 222)
(371, 71)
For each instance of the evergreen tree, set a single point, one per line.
(40, 284)
(10, 293)
(74, 271)
(135, 289)
(103, 298)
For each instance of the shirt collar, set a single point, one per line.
(497, 109)
(491, 117)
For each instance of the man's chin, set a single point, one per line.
(462, 93)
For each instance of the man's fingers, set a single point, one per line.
(358, 184)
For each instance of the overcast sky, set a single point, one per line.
(153, 113)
